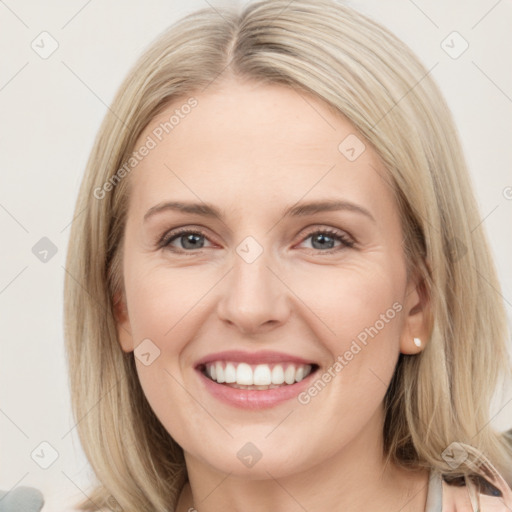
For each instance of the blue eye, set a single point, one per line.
(190, 240)
(324, 240)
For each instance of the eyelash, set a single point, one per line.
(169, 237)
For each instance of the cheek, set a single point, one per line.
(358, 320)
(166, 306)
(162, 301)
(353, 302)
(166, 309)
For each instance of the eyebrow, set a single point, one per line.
(297, 210)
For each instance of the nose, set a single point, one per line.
(254, 299)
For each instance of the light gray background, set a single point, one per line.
(50, 112)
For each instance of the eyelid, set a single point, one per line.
(165, 239)
(345, 238)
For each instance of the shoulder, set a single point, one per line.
(487, 493)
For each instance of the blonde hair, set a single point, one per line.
(362, 71)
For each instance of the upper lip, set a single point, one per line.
(260, 357)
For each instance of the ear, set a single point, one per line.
(124, 332)
(417, 322)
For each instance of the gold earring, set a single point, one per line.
(417, 342)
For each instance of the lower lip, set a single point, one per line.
(252, 398)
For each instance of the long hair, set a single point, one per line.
(362, 71)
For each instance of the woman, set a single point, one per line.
(280, 295)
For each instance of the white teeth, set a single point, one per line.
(261, 376)
(289, 375)
(244, 375)
(219, 370)
(307, 370)
(277, 374)
(230, 373)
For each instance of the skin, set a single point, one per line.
(252, 151)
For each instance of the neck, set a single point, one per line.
(354, 479)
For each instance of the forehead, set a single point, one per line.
(256, 144)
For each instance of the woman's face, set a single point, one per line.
(291, 267)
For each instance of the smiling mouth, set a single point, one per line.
(259, 377)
